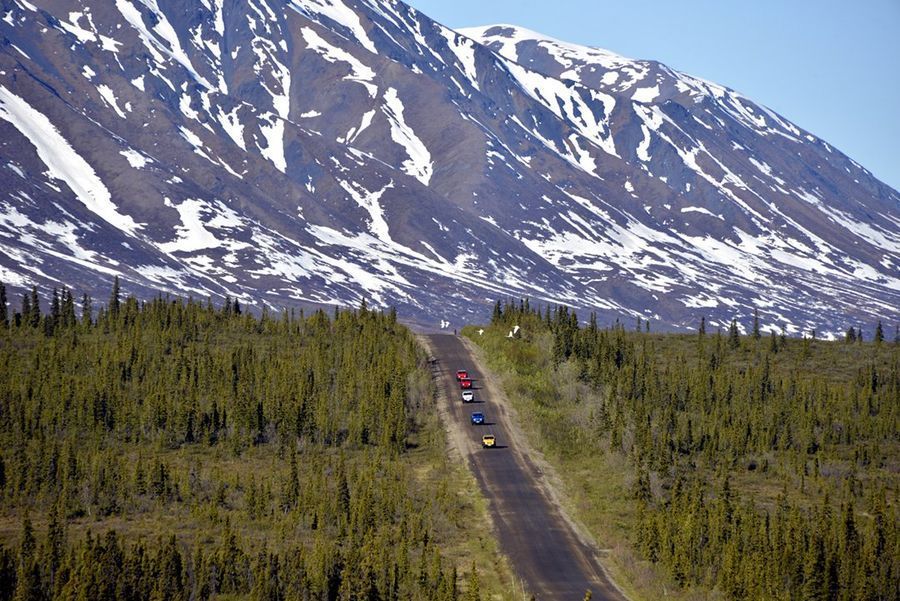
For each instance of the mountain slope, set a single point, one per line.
(327, 151)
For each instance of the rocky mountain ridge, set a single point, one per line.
(326, 151)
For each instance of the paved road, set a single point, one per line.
(545, 552)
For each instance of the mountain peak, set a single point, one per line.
(505, 37)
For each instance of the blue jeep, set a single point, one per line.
(477, 418)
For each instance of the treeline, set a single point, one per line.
(763, 466)
(105, 568)
(184, 373)
(177, 450)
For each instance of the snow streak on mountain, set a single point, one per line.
(325, 151)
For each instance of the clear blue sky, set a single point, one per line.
(830, 66)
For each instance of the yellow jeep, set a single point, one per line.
(488, 441)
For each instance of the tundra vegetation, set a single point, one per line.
(173, 450)
(715, 464)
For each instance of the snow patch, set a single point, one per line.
(464, 49)
(273, 133)
(370, 202)
(644, 146)
(170, 45)
(192, 235)
(359, 72)
(363, 126)
(567, 103)
(11, 278)
(135, 158)
(184, 105)
(701, 210)
(62, 161)
(110, 98)
(16, 169)
(232, 125)
(419, 164)
(341, 14)
(646, 95)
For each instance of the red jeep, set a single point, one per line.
(461, 373)
(465, 383)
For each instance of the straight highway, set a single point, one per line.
(546, 554)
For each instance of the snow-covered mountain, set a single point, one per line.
(327, 151)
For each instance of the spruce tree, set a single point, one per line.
(814, 588)
(4, 311)
(642, 491)
(756, 333)
(879, 333)
(28, 546)
(25, 312)
(734, 335)
(55, 310)
(473, 592)
(7, 573)
(69, 309)
(56, 543)
(497, 314)
(292, 489)
(168, 583)
(28, 573)
(34, 319)
(87, 313)
(115, 299)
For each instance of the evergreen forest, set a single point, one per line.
(716, 464)
(176, 450)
